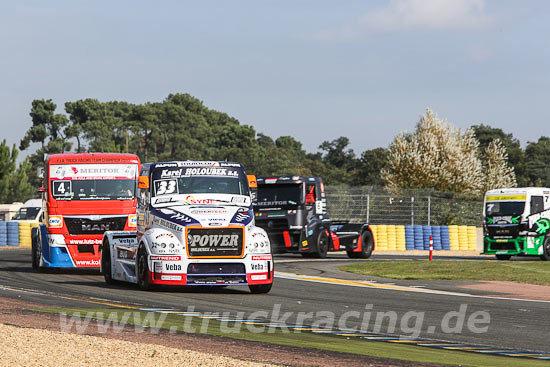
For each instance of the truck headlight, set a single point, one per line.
(166, 247)
(260, 247)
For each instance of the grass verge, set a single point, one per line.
(211, 326)
(531, 272)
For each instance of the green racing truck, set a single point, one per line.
(516, 221)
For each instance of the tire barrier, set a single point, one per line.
(3, 234)
(13, 233)
(16, 234)
(407, 238)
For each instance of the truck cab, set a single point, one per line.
(31, 211)
(516, 221)
(293, 211)
(195, 227)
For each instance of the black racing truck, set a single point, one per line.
(293, 211)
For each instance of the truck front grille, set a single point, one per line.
(80, 225)
(215, 242)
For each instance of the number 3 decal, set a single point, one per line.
(166, 187)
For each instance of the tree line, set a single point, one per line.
(181, 127)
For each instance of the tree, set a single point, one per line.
(369, 169)
(498, 172)
(537, 155)
(14, 184)
(516, 155)
(436, 155)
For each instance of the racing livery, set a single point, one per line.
(84, 195)
(516, 221)
(195, 226)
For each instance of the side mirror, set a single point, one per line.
(143, 182)
(40, 172)
(41, 189)
(252, 181)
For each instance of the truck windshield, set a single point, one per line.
(26, 213)
(93, 189)
(279, 195)
(504, 208)
(201, 185)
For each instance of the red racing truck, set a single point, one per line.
(84, 195)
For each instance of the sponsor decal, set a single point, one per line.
(261, 257)
(271, 203)
(208, 211)
(125, 241)
(166, 224)
(192, 200)
(506, 197)
(132, 220)
(126, 254)
(170, 277)
(165, 258)
(85, 242)
(215, 241)
(87, 262)
(172, 267)
(257, 266)
(55, 221)
(258, 277)
(164, 235)
(93, 171)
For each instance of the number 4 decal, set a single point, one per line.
(61, 188)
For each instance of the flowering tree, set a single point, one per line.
(437, 155)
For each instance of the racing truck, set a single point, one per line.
(293, 212)
(195, 227)
(516, 221)
(84, 195)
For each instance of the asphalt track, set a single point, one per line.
(305, 286)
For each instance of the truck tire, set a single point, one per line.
(260, 288)
(143, 270)
(106, 262)
(367, 245)
(503, 257)
(34, 248)
(322, 244)
(545, 250)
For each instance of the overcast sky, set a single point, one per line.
(314, 69)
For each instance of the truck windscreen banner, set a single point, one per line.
(93, 171)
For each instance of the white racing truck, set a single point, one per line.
(195, 227)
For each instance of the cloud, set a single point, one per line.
(414, 15)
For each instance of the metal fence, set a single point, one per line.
(377, 205)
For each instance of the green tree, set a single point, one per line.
(537, 157)
(485, 134)
(369, 169)
(14, 183)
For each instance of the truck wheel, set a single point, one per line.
(106, 263)
(143, 270)
(322, 244)
(367, 245)
(503, 257)
(546, 250)
(34, 249)
(260, 288)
